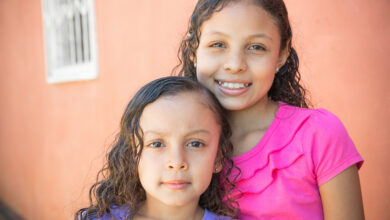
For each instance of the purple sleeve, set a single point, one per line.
(116, 212)
(211, 216)
(331, 149)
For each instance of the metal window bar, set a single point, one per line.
(69, 42)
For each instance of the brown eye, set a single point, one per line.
(218, 45)
(195, 144)
(156, 144)
(256, 47)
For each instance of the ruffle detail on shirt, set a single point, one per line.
(257, 179)
(263, 164)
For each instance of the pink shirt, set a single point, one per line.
(302, 149)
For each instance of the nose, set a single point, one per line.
(235, 62)
(177, 159)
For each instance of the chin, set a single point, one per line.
(176, 203)
(234, 106)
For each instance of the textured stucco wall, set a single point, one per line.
(53, 136)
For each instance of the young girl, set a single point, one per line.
(295, 162)
(166, 162)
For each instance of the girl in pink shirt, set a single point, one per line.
(296, 162)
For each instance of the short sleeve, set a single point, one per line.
(211, 216)
(329, 146)
(116, 212)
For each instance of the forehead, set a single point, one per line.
(241, 16)
(187, 109)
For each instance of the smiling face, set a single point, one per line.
(177, 161)
(238, 53)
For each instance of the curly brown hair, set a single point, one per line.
(286, 86)
(118, 182)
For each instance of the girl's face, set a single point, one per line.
(181, 138)
(238, 53)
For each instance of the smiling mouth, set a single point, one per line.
(231, 85)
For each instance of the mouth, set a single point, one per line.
(233, 85)
(176, 184)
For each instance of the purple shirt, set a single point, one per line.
(301, 150)
(119, 213)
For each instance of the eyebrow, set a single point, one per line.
(214, 33)
(166, 134)
(251, 36)
(261, 36)
(200, 131)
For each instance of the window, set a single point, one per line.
(70, 40)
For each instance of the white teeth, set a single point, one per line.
(233, 85)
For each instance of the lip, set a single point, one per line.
(176, 184)
(232, 81)
(232, 91)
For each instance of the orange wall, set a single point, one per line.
(344, 48)
(53, 136)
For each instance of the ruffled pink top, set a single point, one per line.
(280, 176)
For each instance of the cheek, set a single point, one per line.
(206, 62)
(209, 158)
(203, 78)
(205, 73)
(264, 69)
(141, 170)
(204, 171)
(145, 166)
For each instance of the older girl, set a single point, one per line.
(296, 162)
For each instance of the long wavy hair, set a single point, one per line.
(118, 182)
(286, 86)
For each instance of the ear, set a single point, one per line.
(218, 164)
(283, 55)
(217, 167)
(193, 56)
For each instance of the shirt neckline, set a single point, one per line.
(267, 135)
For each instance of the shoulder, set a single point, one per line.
(326, 127)
(326, 143)
(317, 132)
(316, 128)
(293, 112)
(310, 120)
(323, 119)
(116, 212)
(212, 216)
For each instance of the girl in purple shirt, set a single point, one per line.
(167, 160)
(296, 162)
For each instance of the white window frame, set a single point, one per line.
(70, 40)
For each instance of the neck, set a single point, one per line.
(160, 211)
(255, 118)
